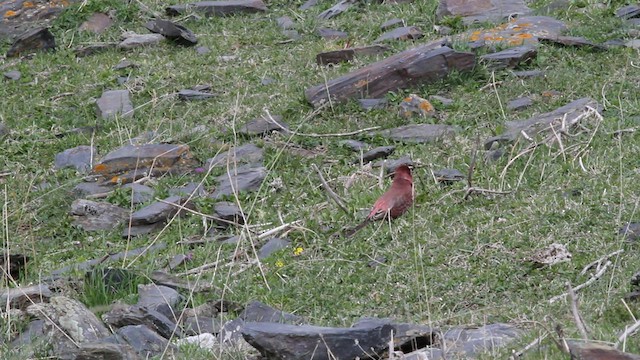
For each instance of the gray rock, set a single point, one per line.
(337, 9)
(519, 103)
(631, 231)
(4, 131)
(391, 165)
(528, 73)
(273, 245)
(376, 153)
(192, 189)
(80, 158)
(448, 176)
(628, 12)
(574, 41)
(33, 335)
(202, 324)
(257, 311)
(262, 126)
(292, 342)
(140, 193)
(389, 24)
(634, 44)
(158, 211)
(133, 40)
(23, 296)
(418, 133)
(442, 100)
(12, 75)
(91, 215)
(355, 145)
(178, 260)
(246, 154)
(308, 4)
(152, 296)
(219, 8)
(191, 95)
(228, 211)
(102, 350)
(373, 104)
(400, 33)
(144, 341)
(89, 188)
(292, 34)
(481, 10)
(471, 342)
(202, 50)
(114, 103)
(122, 315)
(331, 34)
(285, 23)
(176, 32)
(246, 179)
(124, 64)
(97, 23)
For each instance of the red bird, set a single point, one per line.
(394, 202)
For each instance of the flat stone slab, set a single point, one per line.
(245, 179)
(158, 211)
(176, 32)
(574, 41)
(219, 8)
(481, 10)
(337, 9)
(228, 211)
(418, 133)
(519, 103)
(523, 30)
(390, 24)
(344, 55)
(134, 161)
(133, 40)
(14, 75)
(244, 154)
(373, 104)
(114, 103)
(80, 158)
(139, 193)
(22, 297)
(292, 342)
(262, 126)
(273, 245)
(401, 33)
(510, 58)
(146, 342)
(375, 153)
(92, 216)
(89, 188)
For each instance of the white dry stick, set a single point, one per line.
(628, 332)
(330, 191)
(598, 263)
(582, 327)
(278, 229)
(536, 342)
(292, 132)
(593, 279)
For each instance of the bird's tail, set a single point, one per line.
(350, 232)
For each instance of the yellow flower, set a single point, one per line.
(297, 251)
(279, 263)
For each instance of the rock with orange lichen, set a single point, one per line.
(519, 31)
(132, 162)
(481, 10)
(415, 105)
(39, 39)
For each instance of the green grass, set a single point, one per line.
(449, 261)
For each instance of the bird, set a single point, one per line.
(393, 203)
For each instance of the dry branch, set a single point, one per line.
(593, 279)
(582, 327)
(330, 191)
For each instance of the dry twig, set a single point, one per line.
(330, 191)
(536, 342)
(593, 279)
(582, 327)
(598, 263)
(622, 339)
(292, 132)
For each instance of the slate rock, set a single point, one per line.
(219, 8)
(510, 58)
(391, 165)
(102, 350)
(133, 40)
(481, 10)
(85, 189)
(80, 158)
(285, 23)
(97, 23)
(191, 95)
(292, 342)
(389, 24)
(400, 33)
(121, 315)
(91, 215)
(192, 189)
(228, 211)
(23, 296)
(628, 12)
(114, 103)
(178, 260)
(448, 176)
(39, 39)
(273, 245)
(519, 103)
(348, 54)
(595, 351)
(373, 104)
(246, 179)
(139, 193)
(159, 211)
(470, 342)
(634, 44)
(528, 73)
(33, 335)
(202, 50)
(263, 125)
(4, 131)
(247, 154)
(415, 105)
(331, 34)
(354, 145)
(12, 75)
(376, 153)
(418, 133)
(124, 64)
(337, 9)
(308, 4)
(574, 41)
(176, 32)
(257, 311)
(153, 296)
(202, 325)
(144, 341)
(631, 231)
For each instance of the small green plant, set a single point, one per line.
(102, 286)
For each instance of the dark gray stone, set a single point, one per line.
(401, 33)
(80, 158)
(114, 103)
(191, 95)
(331, 34)
(178, 260)
(23, 296)
(574, 41)
(471, 342)
(33, 334)
(389, 24)
(628, 12)
(121, 315)
(273, 245)
(176, 32)
(202, 50)
(442, 100)
(528, 73)
(481, 10)
(228, 211)
(219, 8)
(133, 40)
(91, 216)
(89, 188)
(124, 64)
(285, 23)
(631, 231)
(12, 75)
(448, 176)
(376, 153)
(519, 103)
(510, 58)
(202, 324)
(418, 133)
(102, 350)
(263, 126)
(144, 341)
(391, 165)
(246, 179)
(257, 311)
(337, 9)
(140, 193)
(355, 145)
(245, 154)
(152, 296)
(292, 342)
(158, 211)
(38, 39)
(373, 104)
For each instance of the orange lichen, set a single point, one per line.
(10, 14)
(426, 106)
(115, 179)
(524, 36)
(27, 4)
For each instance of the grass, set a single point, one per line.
(449, 261)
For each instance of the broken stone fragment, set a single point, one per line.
(418, 133)
(219, 8)
(415, 105)
(243, 179)
(38, 39)
(401, 33)
(173, 31)
(114, 103)
(91, 215)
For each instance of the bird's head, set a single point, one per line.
(403, 172)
